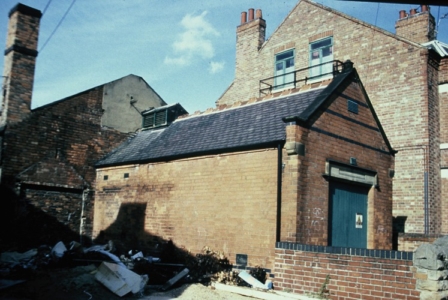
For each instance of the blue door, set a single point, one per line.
(348, 219)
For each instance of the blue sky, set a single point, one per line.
(185, 50)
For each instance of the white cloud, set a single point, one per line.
(194, 42)
(178, 61)
(216, 67)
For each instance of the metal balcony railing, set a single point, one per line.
(298, 78)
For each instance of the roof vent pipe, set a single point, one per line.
(413, 11)
(425, 7)
(243, 17)
(258, 14)
(402, 14)
(251, 14)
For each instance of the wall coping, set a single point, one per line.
(374, 253)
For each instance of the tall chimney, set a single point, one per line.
(20, 61)
(418, 27)
(250, 37)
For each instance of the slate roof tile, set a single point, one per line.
(255, 124)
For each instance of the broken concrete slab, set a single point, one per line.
(119, 279)
(251, 280)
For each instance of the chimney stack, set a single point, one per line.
(20, 61)
(243, 17)
(418, 27)
(250, 36)
(251, 14)
(403, 14)
(252, 17)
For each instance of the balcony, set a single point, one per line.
(299, 78)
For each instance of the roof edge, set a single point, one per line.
(192, 154)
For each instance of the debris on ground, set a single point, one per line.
(119, 279)
(75, 272)
(251, 280)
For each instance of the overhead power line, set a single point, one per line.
(57, 26)
(46, 6)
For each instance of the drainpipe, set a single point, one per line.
(426, 203)
(279, 191)
(85, 193)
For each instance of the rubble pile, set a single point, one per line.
(100, 267)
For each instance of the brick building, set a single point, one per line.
(405, 75)
(48, 153)
(276, 168)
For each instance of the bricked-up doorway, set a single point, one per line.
(348, 208)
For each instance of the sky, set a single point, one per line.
(184, 49)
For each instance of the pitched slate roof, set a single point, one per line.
(247, 127)
(243, 127)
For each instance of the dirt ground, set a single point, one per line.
(79, 283)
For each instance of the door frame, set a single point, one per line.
(353, 175)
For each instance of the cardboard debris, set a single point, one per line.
(15, 258)
(119, 279)
(175, 279)
(112, 256)
(251, 280)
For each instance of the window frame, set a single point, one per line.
(321, 72)
(155, 118)
(286, 75)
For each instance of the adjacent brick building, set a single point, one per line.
(276, 168)
(404, 74)
(48, 153)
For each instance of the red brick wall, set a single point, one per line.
(227, 202)
(72, 126)
(327, 139)
(70, 129)
(64, 206)
(20, 61)
(366, 275)
(394, 73)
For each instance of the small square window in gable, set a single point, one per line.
(352, 106)
(126, 175)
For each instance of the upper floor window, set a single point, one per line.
(155, 119)
(284, 69)
(162, 116)
(321, 57)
